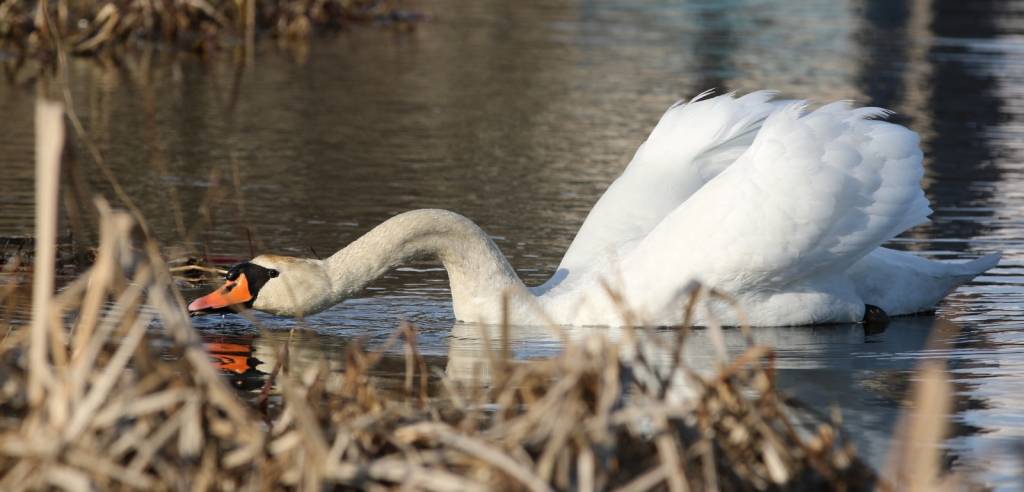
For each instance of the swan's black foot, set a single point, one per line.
(875, 319)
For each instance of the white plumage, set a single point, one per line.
(782, 208)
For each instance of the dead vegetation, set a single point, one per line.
(38, 29)
(86, 405)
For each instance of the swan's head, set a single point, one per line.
(279, 285)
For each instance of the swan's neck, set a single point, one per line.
(478, 273)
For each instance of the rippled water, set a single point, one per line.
(518, 114)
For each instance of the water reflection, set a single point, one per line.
(235, 357)
(865, 373)
(249, 356)
(518, 114)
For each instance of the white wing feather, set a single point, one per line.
(812, 195)
(690, 145)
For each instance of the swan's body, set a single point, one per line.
(782, 209)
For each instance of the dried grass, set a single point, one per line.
(86, 405)
(90, 27)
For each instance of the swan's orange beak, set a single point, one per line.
(231, 293)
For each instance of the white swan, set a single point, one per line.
(782, 208)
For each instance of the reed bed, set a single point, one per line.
(90, 27)
(85, 404)
(103, 412)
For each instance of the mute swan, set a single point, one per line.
(780, 207)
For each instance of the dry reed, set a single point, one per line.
(89, 27)
(85, 404)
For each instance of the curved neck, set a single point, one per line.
(477, 271)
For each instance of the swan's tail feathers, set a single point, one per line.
(970, 269)
(952, 275)
(903, 283)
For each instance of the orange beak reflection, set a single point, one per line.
(231, 293)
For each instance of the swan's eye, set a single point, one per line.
(237, 270)
(273, 273)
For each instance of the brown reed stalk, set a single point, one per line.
(914, 462)
(49, 143)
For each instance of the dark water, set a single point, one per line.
(518, 114)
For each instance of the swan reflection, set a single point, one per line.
(845, 346)
(866, 374)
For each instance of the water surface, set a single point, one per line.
(518, 115)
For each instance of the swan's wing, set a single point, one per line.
(812, 194)
(690, 145)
